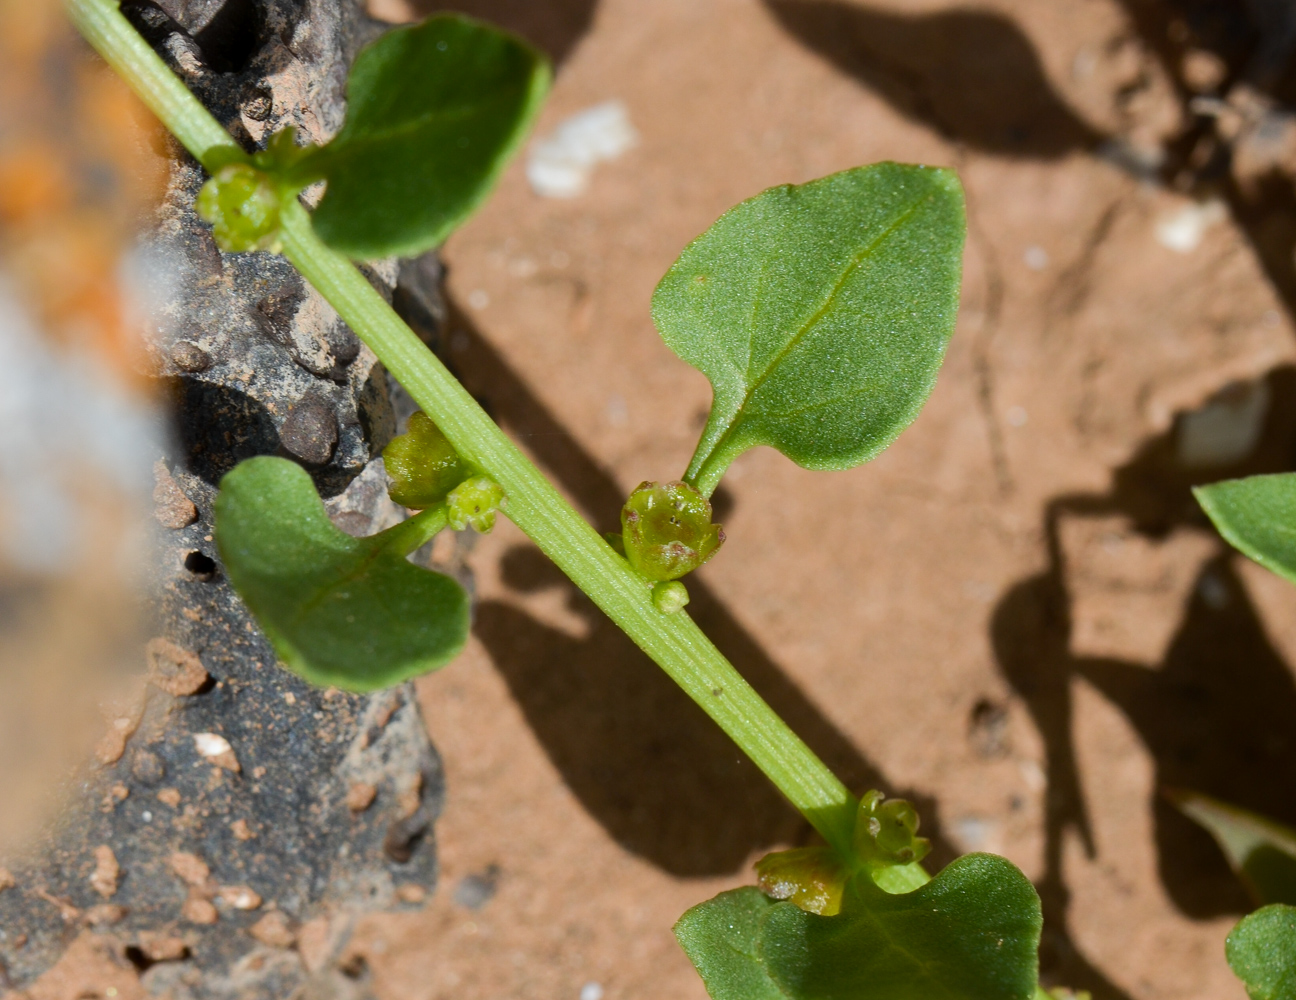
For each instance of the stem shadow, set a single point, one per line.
(643, 759)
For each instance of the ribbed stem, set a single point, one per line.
(674, 641)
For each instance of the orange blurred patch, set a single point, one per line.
(79, 169)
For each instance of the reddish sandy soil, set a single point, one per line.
(1015, 616)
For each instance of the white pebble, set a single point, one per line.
(592, 991)
(211, 744)
(561, 163)
(1182, 232)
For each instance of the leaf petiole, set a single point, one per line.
(413, 533)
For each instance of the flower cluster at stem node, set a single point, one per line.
(667, 531)
(242, 206)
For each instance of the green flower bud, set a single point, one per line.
(885, 832)
(474, 503)
(422, 464)
(669, 596)
(667, 530)
(243, 208)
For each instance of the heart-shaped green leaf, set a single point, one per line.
(971, 933)
(1261, 950)
(352, 612)
(434, 111)
(1261, 851)
(820, 313)
(1257, 516)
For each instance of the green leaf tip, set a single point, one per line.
(422, 465)
(666, 530)
(434, 113)
(1261, 851)
(820, 313)
(971, 933)
(351, 612)
(1257, 516)
(1261, 951)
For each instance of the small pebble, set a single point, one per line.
(411, 893)
(147, 767)
(198, 909)
(310, 431)
(240, 897)
(259, 106)
(190, 868)
(161, 947)
(105, 914)
(106, 872)
(241, 830)
(273, 929)
(217, 749)
(592, 991)
(173, 669)
(113, 744)
(360, 796)
(170, 505)
(189, 357)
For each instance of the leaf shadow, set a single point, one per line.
(1254, 42)
(642, 758)
(1216, 714)
(553, 26)
(972, 76)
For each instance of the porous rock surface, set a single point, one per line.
(236, 820)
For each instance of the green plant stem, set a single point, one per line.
(535, 506)
(104, 27)
(412, 533)
(673, 641)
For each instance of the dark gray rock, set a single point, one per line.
(237, 820)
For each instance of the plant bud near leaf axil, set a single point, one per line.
(886, 832)
(667, 530)
(242, 206)
(473, 503)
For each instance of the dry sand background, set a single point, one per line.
(1015, 616)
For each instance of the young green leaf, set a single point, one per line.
(820, 313)
(1257, 516)
(1261, 950)
(1262, 852)
(352, 612)
(971, 933)
(434, 111)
